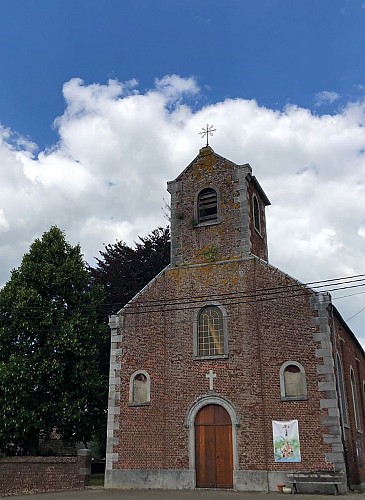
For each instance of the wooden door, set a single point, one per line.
(213, 448)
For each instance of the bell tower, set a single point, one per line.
(217, 212)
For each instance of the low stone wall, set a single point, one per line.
(19, 475)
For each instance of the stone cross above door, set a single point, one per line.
(211, 376)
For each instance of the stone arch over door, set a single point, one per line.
(224, 407)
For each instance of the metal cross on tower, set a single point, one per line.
(207, 130)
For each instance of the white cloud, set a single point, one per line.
(105, 179)
(326, 96)
(173, 86)
(4, 224)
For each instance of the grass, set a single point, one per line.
(97, 479)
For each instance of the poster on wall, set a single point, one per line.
(286, 441)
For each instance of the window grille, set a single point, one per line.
(210, 332)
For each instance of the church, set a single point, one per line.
(225, 372)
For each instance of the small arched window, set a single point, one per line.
(210, 332)
(207, 205)
(139, 388)
(256, 214)
(293, 383)
(355, 401)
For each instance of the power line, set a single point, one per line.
(230, 302)
(312, 284)
(358, 312)
(261, 295)
(238, 297)
(349, 295)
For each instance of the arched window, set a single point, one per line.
(293, 383)
(207, 206)
(210, 332)
(139, 388)
(355, 401)
(341, 391)
(256, 214)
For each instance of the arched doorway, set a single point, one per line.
(213, 448)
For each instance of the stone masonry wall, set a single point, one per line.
(232, 236)
(20, 475)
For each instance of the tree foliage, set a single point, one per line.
(50, 344)
(123, 271)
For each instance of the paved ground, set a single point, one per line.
(101, 494)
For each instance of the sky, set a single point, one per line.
(101, 103)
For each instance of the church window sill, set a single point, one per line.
(294, 398)
(139, 404)
(208, 223)
(216, 356)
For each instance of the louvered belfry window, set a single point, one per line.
(207, 205)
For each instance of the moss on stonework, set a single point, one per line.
(210, 253)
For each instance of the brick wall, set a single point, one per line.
(352, 356)
(263, 333)
(20, 475)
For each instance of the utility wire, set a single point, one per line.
(195, 304)
(264, 291)
(349, 295)
(321, 284)
(358, 312)
(260, 295)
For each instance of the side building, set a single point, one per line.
(226, 372)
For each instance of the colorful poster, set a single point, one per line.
(286, 441)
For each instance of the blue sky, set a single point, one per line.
(101, 103)
(274, 51)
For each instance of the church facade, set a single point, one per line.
(226, 372)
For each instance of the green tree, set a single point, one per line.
(50, 343)
(123, 271)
